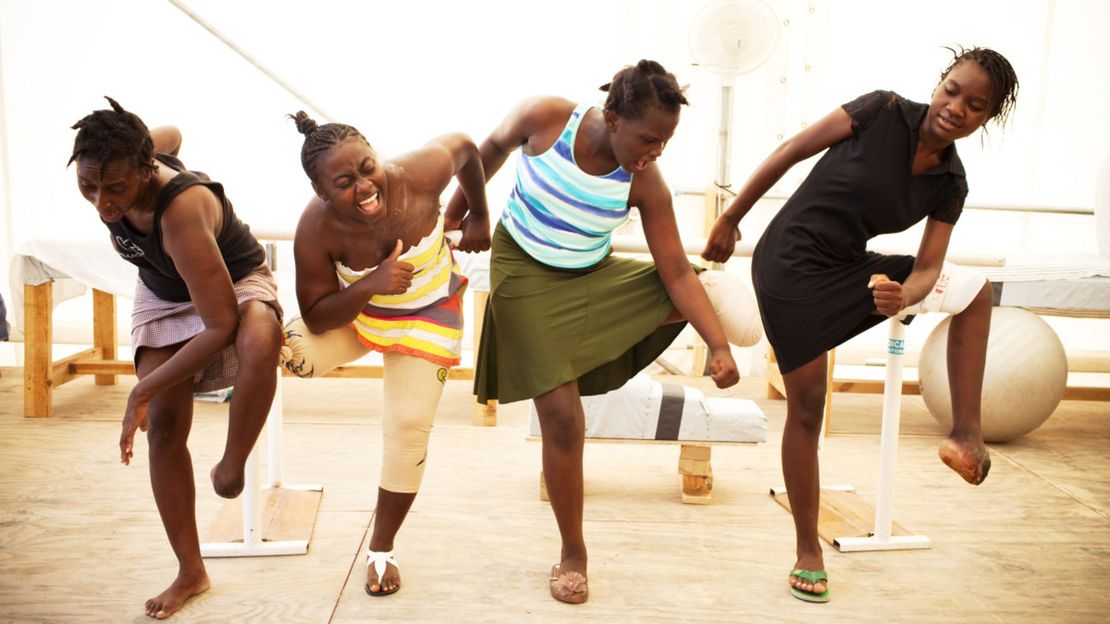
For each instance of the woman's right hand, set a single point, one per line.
(134, 418)
(723, 368)
(393, 276)
(722, 240)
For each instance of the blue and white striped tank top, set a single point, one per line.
(562, 216)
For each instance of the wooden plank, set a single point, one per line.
(1091, 393)
(694, 443)
(776, 389)
(871, 386)
(695, 451)
(104, 331)
(830, 368)
(375, 372)
(38, 340)
(286, 515)
(485, 415)
(842, 514)
(62, 371)
(102, 367)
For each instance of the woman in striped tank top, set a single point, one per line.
(566, 318)
(375, 272)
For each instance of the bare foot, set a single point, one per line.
(390, 581)
(174, 597)
(568, 581)
(969, 458)
(226, 485)
(812, 563)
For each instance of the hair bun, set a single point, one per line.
(305, 124)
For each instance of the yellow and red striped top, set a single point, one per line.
(425, 321)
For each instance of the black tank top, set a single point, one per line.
(238, 247)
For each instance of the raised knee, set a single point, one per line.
(257, 344)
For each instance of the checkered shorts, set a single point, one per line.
(158, 323)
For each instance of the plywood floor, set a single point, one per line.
(80, 540)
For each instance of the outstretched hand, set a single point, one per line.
(888, 295)
(393, 276)
(722, 240)
(723, 368)
(134, 418)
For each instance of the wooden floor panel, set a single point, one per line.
(80, 540)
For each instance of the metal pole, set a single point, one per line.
(892, 412)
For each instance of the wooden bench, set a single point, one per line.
(42, 374)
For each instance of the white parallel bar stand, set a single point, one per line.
(881, 539)
(253, 544)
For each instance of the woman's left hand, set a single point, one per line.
(134, 418)
(888, 295)
(723, 368)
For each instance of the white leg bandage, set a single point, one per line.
(954, 291)
(413, 387)
(306, 354)
(734, 305)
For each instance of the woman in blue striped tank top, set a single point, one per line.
(566, 318)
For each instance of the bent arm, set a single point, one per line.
(516, 129)
(189, 227)
(323, 305)
(686, 292)
(831, 129)
(929, 261)
(834, 127)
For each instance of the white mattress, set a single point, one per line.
(644, 409)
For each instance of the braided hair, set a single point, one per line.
(319, 139)
(1004, 82)
(116, 134)
(638, 87)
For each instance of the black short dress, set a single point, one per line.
(811, 266)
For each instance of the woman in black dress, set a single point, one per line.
(890, 163)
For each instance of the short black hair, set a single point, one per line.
(319, 139)
(639, 87)
(1004, 82)
(107, 135)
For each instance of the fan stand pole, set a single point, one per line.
(725, 147)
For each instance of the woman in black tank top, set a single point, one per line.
(204, 297)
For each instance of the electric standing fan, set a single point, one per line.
(730, 38)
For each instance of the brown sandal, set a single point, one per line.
(570, 587)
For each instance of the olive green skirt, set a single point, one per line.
(546, 326)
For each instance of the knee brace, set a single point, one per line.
(413, 387)
(955, 289)
(306, 354)
(734, 306)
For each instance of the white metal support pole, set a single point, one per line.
(881, 539)
(275, 426)
(253, 543)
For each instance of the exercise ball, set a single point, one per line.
(1024, 378)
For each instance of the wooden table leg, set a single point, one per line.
(697, 474)
(38, 338)
(484, 415)
(104, 331)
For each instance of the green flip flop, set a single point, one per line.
(812, 577)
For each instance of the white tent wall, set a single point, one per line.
(404, 72)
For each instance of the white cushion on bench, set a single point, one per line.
(632, 412)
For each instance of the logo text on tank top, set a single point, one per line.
(127, 249)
